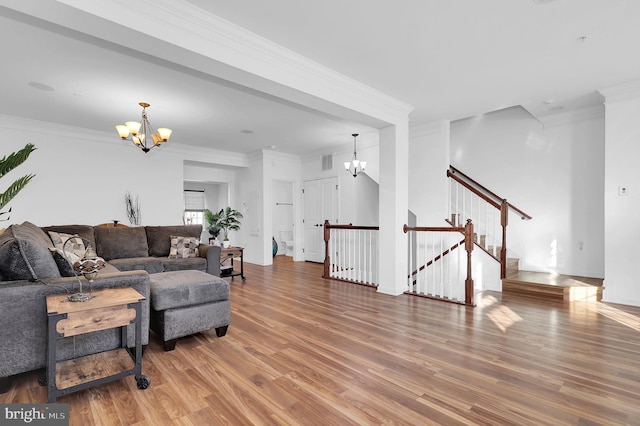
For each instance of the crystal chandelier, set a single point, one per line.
(355, 166)
(137, 132)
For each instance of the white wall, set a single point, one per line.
(249, 200)
(82, 177)
(554, 173)
(357, 197)
(428, 164)
(621, 211)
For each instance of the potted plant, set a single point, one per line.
(213, 222)
(230, 221)
(8, 163)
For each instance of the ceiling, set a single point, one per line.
(448, 59)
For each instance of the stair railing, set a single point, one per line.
(351, 253)
(490, 213)
(438, 267)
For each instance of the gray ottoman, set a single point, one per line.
(188, 302)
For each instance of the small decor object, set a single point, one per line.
(88, 266)
(355, 166)
(133, 209)
(8, 163)
(131, 131)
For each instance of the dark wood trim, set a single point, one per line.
(496, 198)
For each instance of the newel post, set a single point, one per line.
(468, 246)
(327, 260)
(504, 220)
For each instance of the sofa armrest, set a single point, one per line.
(212, 254)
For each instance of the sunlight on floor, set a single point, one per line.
(616, 314)
(503, 317)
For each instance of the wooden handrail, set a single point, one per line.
(468, 241)
(326, 271)
(350, 226)
(475, 186)
(406, 229)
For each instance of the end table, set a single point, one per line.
(110, 308)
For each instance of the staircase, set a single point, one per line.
(470, 200)
(567, 288)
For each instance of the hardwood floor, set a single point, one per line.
(306, 351)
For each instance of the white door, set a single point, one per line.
(320, 204)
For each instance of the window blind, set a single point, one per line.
(193, 200)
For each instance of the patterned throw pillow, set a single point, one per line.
(73, 250)
(182, 247)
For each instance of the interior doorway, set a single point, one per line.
(283, 224)
(320, 204)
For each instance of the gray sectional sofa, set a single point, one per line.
(30, 269)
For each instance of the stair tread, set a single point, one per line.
(551, 279)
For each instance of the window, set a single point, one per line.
(193, 207)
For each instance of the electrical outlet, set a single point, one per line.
(580, 245)
(623, 190)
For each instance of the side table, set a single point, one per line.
(110, 308)
(230, 253)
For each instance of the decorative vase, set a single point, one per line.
(226, 243)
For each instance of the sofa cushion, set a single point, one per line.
(152, 265)
(121, 243)
(159, 237)
(197, 263)
(186, 288)
(83, 231)
(25, 254)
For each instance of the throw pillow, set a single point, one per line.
(182, 247)
(75, 246)
(25, 255)
(64, 265)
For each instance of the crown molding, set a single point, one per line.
(621, 92)
(52, 129)
(594, 112)
(428, 129)
(46, 129)
(207, 155)
(182, 24)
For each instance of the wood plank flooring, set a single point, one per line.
(306, 351)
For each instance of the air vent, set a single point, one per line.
(327, 162)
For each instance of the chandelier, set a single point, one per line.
(355, 166)
(137, 132)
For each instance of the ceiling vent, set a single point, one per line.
(327, 162)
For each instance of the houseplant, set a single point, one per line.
(230, 221)
(8, 163)
(213, 222)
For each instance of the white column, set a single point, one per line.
(394, 205)
(621, 206)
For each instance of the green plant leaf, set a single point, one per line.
(13, 190)
(13, 160)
